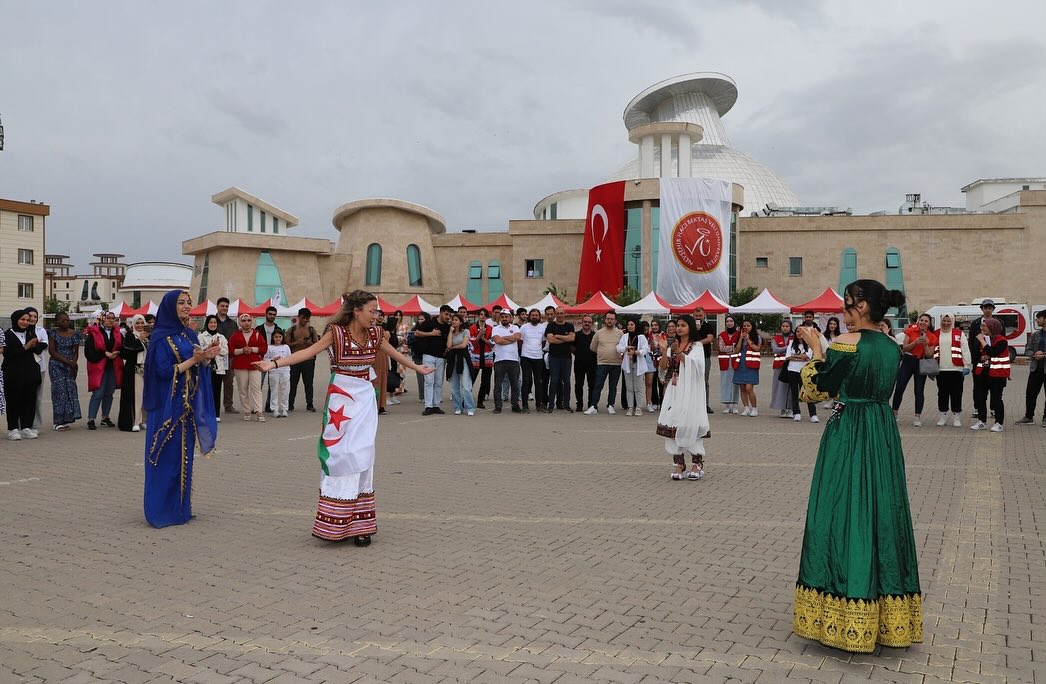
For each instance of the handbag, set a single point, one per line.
(929, 367)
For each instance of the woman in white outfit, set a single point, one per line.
(220, 363)
(683, 420)
(635, 359)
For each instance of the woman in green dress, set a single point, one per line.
(858, 580)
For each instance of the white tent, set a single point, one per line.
(548, 300)
(460, 301)
(651, 305)
(765, 303)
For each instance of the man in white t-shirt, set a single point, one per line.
(506, 337)
(532, 360)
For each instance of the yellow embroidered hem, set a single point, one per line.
(857, 625)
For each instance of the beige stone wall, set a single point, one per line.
(558, 243)
(944, 258)
(454, 252)
(231, 273)
(11, 272)
(394, 229)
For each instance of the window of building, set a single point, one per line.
(136, 299)
(204, 277)
(553, 211)
(495, 284)
(250, 218)
(94, 291)
(25, 223)
(634, 248)
(25, 256)
(847, 268)
(266, 278)
(85, 291)
(263, 222)
(895, 278)
(762, 262)
(25, 290)
(414, 277)
(275, 225)
(893, 259)
(474, 288)
(535, 268)
(374, 264)
(795, 266)
(655, 243)
(67, 296)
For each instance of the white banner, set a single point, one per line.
(694, 250)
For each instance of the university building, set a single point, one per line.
(22, 237)
(398, 249)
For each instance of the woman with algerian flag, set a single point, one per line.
(350, 418)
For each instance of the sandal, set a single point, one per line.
(695, 474)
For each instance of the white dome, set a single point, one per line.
(762, 186)
(703, 99)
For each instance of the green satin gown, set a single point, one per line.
(858, 580)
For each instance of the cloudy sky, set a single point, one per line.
(127, 116)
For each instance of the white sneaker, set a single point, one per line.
(942, 420)
(828, 404)
(726, 410)
(754, 413)
(610, 410)
(29, 433)
(649, 408)
(457, 412)
(733, 409)
(14, 435)
(136, 429)
(783, 414)
(815, 419)
(639, 411)
(957, 421)
(218, 419)
(918, 422)
(591, 411)
(997, 427)
(797, 418)
(628, 412)
(746, 411)
(979, 425)
(471, 413)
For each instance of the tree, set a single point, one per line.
(626, 295)
(53, 306)
(557, 292)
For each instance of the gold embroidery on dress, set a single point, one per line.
(843, 347)
(808, 392)
(857, 625)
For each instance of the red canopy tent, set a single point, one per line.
(460, 301)
(204, 308)
(258, 310)
(415, 305)
(598, 303)
(387, 306)
(707, 301)
(828, 301)
(329, 309)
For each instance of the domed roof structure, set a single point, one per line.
(702, 99)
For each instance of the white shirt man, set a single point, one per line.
(532, 362)
(506, 337)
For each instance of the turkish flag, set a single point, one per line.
(603, 248)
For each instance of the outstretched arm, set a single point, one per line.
(300, 355)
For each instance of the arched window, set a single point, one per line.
(495, 285)
(374, 264)
(847, 268)
(895, 278)
(414, 266)
(83, 294)
(474, 289)
(94, 291)
(266, 278)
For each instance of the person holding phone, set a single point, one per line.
(746, 366)
(920, 342)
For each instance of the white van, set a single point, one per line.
(1018, 321)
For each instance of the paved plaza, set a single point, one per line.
(511, 548)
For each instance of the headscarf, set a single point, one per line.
(15, 318)
(134, 319)
(167, 321)
(994, 327)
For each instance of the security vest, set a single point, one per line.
(726, 361)
(782, 342)
(956, 347)
(752, 359)
(998, 360)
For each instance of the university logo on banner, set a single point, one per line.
(602, 265)
(695, 239)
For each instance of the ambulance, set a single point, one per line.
(1018, 320)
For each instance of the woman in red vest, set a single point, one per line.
(246, 346)
(990, 375)
(746, 366)
(955, 365)
(102, 344)
(729, 394)
(780, 397)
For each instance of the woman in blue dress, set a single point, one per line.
(177, 396)
(64, 344)
(746, 366)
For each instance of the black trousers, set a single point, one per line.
(484, 382)
(983, 386)
(304, 370)
(949, 391)
(216, 392)
(583, 373)
(793, 387)
(534, 376)
(21, 403)
(559, 381)
(503, 369)
(1036, 384)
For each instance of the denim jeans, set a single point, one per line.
(909, 369)
(602, 371)
(461, 391)
(506, 372)
(559, 381)
(434, 380)
(103, 395)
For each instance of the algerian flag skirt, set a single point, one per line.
(346, 453)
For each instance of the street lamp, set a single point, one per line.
(1, 134)
(637, 253)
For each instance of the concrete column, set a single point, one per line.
(684, 156)
(646, 157)
(666, 155)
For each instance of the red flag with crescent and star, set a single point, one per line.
(603, 248)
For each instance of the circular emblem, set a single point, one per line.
(697, 242)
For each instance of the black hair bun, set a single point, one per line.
(893, 299)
